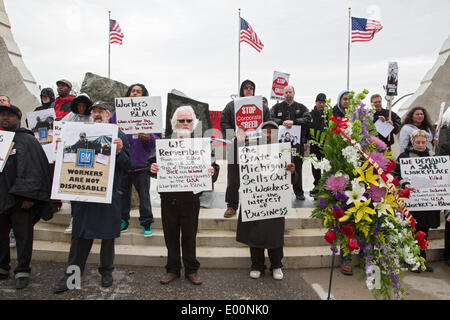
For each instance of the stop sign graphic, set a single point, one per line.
(249, 116)
(278, 86)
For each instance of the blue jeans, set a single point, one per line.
(141, 181)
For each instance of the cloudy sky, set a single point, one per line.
(192, 45)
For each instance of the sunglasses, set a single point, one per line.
(185, 120)
(249, 88)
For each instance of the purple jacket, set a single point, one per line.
(140, 150)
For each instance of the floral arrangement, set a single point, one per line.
(360, 203)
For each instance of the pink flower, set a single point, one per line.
(336, 184)
(379, 144)
(376, 193)
(380, 159)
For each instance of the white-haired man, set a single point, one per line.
(180, 210)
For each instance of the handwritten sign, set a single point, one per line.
(430, 176)
(6, 144)
(265, 190)
(139, 115)
(85, 162)
(183, 165)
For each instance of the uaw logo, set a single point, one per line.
(85, 158)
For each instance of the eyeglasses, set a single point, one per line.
(184, 120)
(249, 88)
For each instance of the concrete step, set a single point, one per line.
(209, 219)
(209, 257)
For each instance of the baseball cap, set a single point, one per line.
(101, 104)
(321, 97)
(66, 82)
(12, 109)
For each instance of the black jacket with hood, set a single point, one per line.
(48, 92)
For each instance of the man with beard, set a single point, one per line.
(228, 127)
(98, 220)
(180, 210)
(63, 103)
(25, 187)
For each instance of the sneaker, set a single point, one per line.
(69, 228)
(22, 282)
(255, 274)
(147, 231)
(277, 274)
(123, 226)
(107, 280)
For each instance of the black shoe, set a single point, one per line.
(300, 197)
(22, 282)
(313, 193)
(107, 280)
(61, 286)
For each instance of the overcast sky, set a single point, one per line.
(192, 45)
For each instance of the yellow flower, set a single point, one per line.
(366, 175)
(389, 199)
(362, 211)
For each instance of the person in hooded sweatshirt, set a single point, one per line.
(47, 99)
(228, 127)
(341, 106)
(79, 109)
(25, 188)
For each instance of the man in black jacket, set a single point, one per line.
(25, 188)
(228, 127)
(289, 113)
(318, 123)
(383, 115)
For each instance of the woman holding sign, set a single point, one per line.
(424, 219)
(268, 233)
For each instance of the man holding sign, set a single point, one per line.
(381, 120)
(25, 195)
(229, 131)
(180, 209)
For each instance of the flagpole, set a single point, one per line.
(348, 50)
(239, 52)
(109, 45)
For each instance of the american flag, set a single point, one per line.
(364, 29)
(115, 33)
(249, 36)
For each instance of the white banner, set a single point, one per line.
(6, 144)
(139, 115)
(279, 82)
(265, 189)
(85, 163)
(183, 165)
(430, 177)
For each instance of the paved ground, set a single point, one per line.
(140, 283)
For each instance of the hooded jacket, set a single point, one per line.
(337, 110)
(48, 92)
(74, 116)
(227, 119)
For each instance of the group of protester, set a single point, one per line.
(26, 182)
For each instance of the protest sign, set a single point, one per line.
(41, 124)
(217, 133)
(265, 190)
(292, 136)
(279, 82)
(85, 163)
(249, 113)
(6, 144)
(139, 115)
(392, 81)
(430, 177)
(183, 165)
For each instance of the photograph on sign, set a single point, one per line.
(6, 145)
(41, 124)
(291, 135)
(139, 115)
(265, 189)
(183, 165)
(279, 82)
(249, 113)
(392, 81)
(430, 178)
(85, 162)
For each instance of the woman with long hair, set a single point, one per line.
(416, 119)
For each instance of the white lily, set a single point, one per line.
(357, 193)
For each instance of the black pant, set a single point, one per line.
(298, 187)
(258, 259)
(22, 222)
(317, 173)
(447, 240)
(80, 249)
(181, 215)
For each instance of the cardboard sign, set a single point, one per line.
(265, 189)
(6, 144)
(279, 82)
(392, 81)
(41, 124)
(85, 163)
(139, 115)
(249, 113)
(430, 177)
(183, 165)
